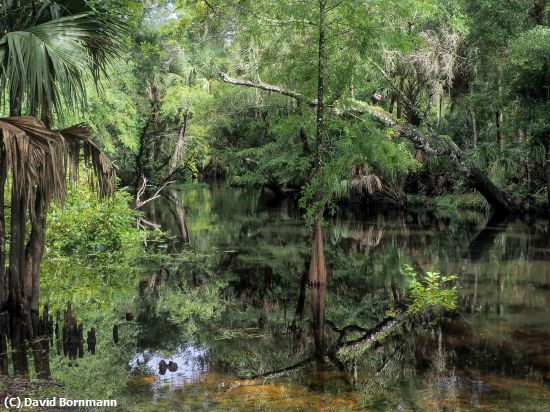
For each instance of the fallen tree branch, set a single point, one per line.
(280, 372)
(431, 143)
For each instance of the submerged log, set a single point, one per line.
(429, 143)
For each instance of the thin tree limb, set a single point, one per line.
(268, 88)
(279, 372)
(140, 203)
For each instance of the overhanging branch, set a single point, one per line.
(268, 88)
(430, 143)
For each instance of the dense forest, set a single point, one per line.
(338, 197)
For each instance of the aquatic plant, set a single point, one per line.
(431, 292)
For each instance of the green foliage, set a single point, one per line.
(196, 300)
(430, 292)
(48, 51)
(93, 248)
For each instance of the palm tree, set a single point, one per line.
(47, 50)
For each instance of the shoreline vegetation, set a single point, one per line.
(362, 169)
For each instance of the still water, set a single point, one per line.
(228, 299)
(493, 356)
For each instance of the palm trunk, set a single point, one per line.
(17, 248)
(3, 278)
(33, 254)
(18, 340)
(17, 234)
(4, 365)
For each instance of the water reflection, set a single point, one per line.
(185, 365)
(499, 337)
(239, 306)
(29, 334)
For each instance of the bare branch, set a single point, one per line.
(140, 203)
(280, 372)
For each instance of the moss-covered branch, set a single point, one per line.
(428, 142)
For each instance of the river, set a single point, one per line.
(225, 303)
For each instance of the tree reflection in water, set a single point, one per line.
(24, 334)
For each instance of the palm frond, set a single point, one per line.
(38, 158)
(364, 182)
(104, 170)
(46, 59)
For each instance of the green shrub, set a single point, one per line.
(430, 292)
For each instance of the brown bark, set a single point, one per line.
(317, 268)
(18, 339)
(4, 366)
(33, 254)
(17, 249)
(3, 278)
(318, 278)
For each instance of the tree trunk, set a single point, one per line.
(318, 278)
(499, 117)
(437, 146)
(4, 366)
(141, 154)
(318, 269)
(300, 304)
(33, 254)
(471, 127)
(439, 109)
(178, 151)
(547, 167)
(3, 278)
(18, 339)
(17, 248)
